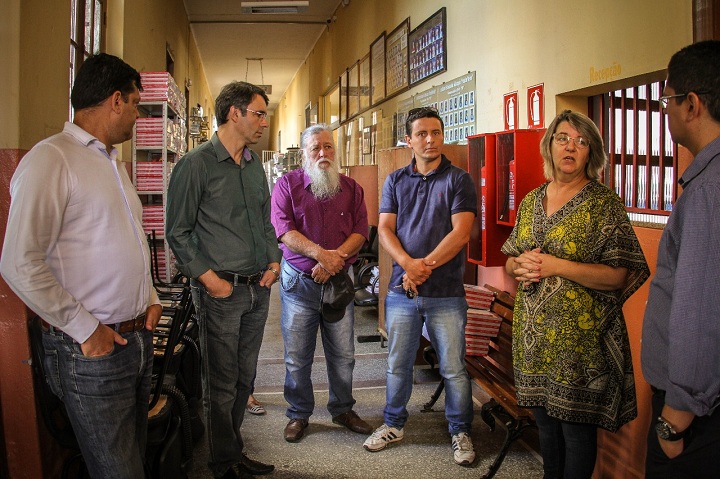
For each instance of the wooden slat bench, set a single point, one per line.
(494, 373)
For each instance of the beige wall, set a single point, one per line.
(579, 49)
(10, 74)
(35, 39)
(149, 30)
(44, 59)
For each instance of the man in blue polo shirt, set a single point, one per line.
(426, 214)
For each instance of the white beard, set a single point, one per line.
(324, 183)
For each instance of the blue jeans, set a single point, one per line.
(301, 299)
(569, 450)
(106, 399)
(445, 320)
(231, 332)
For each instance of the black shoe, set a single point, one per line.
(232, 473)
(256, 468)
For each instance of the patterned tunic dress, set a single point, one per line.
(571, 352)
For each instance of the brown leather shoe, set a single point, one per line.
(295, 429)
(353, 422)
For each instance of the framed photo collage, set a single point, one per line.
(395, 62)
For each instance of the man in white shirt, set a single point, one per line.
(76, 254)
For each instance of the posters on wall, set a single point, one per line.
(396, 58)
(456, 105)
(510, 110)
(403, 107)
(455, 102)
(536, 106)
(428, 50)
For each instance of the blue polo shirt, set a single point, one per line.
(424, 205)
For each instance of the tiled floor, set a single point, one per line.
(330, 451)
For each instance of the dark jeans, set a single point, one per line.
(106, 399)
(568, 449)
(701, 455)
(231, 331)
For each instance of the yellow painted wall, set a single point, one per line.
(10, 74)
(43, 61)
(149, 29)
(580, 49)
(35, 61)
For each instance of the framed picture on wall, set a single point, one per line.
(366, 138)
(377, 70)
(343, 96)
(353, 90)
(364, 85)
(396, 59)
(308, 114)
(331, 105)
(428, 48)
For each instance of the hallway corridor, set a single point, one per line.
(329, 451)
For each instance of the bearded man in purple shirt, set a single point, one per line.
(320, 218)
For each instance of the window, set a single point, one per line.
(87, 19)
(642, 156)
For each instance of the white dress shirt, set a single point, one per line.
(75, 251)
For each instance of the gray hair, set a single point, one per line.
(312, 131)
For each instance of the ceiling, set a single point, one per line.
(226, 38)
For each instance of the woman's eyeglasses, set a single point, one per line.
(562, 139)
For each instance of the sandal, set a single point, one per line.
(255, 407)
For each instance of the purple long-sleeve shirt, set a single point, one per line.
(327, 222)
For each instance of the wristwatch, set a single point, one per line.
(666, 432)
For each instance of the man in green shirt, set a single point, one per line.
(218, 226)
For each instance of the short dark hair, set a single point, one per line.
(99, 77)
(696, 68)
(238, 94)
(422, 112)
(597, 158)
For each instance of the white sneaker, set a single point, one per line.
(382, 436)
(463, 451)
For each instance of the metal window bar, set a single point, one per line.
(642, 158)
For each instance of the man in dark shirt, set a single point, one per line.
(426, 215)
(320, 217)
(218, 226)
(681, 329)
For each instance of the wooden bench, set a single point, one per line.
(494, 373)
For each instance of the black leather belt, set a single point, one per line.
(236, 279)
(129, 326)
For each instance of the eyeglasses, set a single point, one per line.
(664, 99)
(562, 139)
(260, 114)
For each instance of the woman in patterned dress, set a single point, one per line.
(577, 259)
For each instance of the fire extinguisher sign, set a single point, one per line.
(510, 110)
(536, 106)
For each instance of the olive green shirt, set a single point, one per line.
(218, 213)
